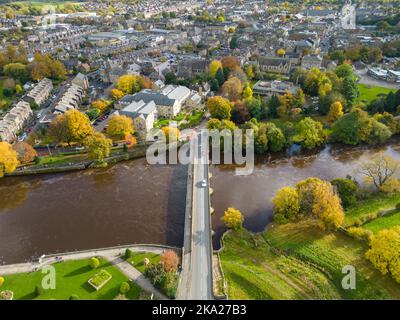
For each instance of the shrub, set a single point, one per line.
(94, 263)
(73, 297)
(360, 233)
(128, 253)
(38, 291)
(170, 261)
(124, 288)
(398, 206)
(1, 281)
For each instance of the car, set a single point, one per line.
(79, 148)
(203, 183)
(39, 115)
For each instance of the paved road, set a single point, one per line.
(200, 282)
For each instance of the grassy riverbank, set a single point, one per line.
(299, 261)
(71, 279)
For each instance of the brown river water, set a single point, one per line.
(132, 202)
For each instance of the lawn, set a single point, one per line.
(330, 253)
(374, 204)
(49, 160)
(384, 222)
(71, 279)
(370, 93)
(253, 270)
(137, 260)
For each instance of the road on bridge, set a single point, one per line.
(199, 273)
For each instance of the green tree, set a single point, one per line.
(310, 133)
(286, 205)
(347, 190)
(275, 137)
(219, 107)
(98, 145)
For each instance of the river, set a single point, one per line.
(132, 202)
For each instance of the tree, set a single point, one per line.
(335, 111)
(213, 67)
(318, 200)
(213, 124)
(119, 126)
(8, 158)
(286, 205)
(232, 63)
(233, 218)
(310, 133)
(347, 190)
(379, 169)
(45, 66)
(345, 71)
(219, 107)
(116, 94)
(124, 288)
(232, 88)
(129, 84)
(379, 133)
(349, 90)
(100, 105)
(98, 145)
(233, 44)
(247, 93)
(1, 281)
(220, 78)
(93, 113)
(94, 262)
(171, 133)
(384, 252)
(240, 113)
(281, 52)
(276, 139)
(25, 152)
(170, 260)
(352, 128)
(290, 104)
(72, 126)
(17, 71)
(273, 105)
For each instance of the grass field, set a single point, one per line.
(374, 204)
(71, 278)
(299, 261)
(138, 259)
(331, 252)
(254, 271)
(384, 222)
(370, 93)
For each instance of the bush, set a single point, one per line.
(347, 191)
(124, 288)
(73, 297)
(398, 206)
(94, 263)
(360, 233)
(38, 291)
(1, 281)
(128, 253)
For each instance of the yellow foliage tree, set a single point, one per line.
(318, 199)
(247, 93)
(100, 105)
(171, 133)
(120, 126)
(98, 145)
(281, 52)
(219, 107)
(384, 253)
(286, 205)
(8, 158)
(72, 126)
(233, 218)
(214, 66)
(116, 94)
(130, 84)
(335, 111)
